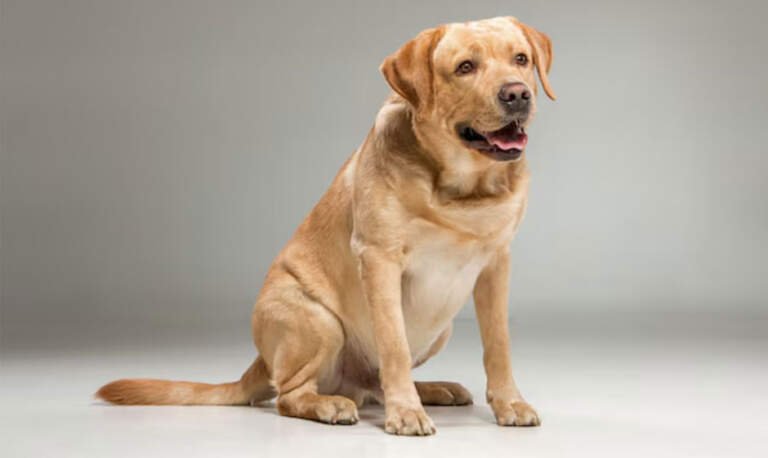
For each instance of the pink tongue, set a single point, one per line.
(507, 141)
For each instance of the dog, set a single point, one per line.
(417, 219)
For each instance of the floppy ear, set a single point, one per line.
(409, 71)
(542, 55)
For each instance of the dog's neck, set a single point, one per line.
(456, 173)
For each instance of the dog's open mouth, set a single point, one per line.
(505, 144)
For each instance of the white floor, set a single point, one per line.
(620, 397)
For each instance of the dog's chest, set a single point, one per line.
(439, 276)
(443, 262)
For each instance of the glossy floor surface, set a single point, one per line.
(599, 396)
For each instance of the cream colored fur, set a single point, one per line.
(414, 223)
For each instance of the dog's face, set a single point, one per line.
(475, 82)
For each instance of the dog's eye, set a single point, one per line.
(465, 67)
(521, 59)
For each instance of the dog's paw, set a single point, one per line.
(515, 413)
(337, 410)
(443, 394)
(408, 421)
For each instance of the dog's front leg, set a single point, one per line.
(381, 275)
(491, 294)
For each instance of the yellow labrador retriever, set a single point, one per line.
(418, 218)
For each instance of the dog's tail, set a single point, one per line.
(253, 387)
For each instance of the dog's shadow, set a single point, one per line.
(443, 416)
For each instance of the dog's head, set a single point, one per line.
(475, 82)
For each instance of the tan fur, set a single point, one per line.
(415, 222)
(252, 387)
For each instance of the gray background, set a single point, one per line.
(156, 155)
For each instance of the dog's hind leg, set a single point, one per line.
(301, 341)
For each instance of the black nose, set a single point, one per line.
(515, 95)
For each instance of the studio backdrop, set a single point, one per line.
(156, 155)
